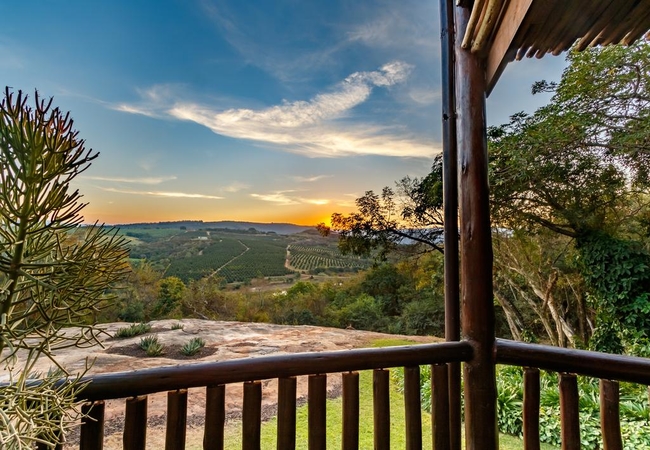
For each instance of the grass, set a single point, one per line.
(334, 420)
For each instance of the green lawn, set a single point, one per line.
(334, 416)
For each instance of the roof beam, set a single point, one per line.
(500, 52)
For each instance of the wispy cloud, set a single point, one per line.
(311, 128)
(301, 179)
(136, 180)
(284, 199)
(163, 194)
(235, 187)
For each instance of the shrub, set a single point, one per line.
(193, 346)
(634, 412)
(135, 329)
(177, 326)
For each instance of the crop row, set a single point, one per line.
(216, 255)
(307, 260)
(264, 258)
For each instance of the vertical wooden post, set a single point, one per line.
(135, 423)
(287, 413)
(610, 422)
(381, 408)
(92, 426)
(413, 416)
(440, 407)
(350, 411)
(176, 420)
(531, 408)
(450, 204)
(252, 415)
(316, 414)
(569, 412)
(215, 417)
(476, 245)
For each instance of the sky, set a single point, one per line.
(257, 110)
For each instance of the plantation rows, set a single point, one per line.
(309, 258)
(265, 258)
(212, 258)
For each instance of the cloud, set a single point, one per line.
(281, 198)
(143, 180)
(424, 95)
(163, 194)
(235, 187)
(301, 179)
(246, 123)
(311, 128)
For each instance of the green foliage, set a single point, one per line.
(170, 294)
(192, 347)
(423, 317)
(135, 329)
(363, 313)
(618, 272)
(177, 326)
(152, 346)
(54, 273)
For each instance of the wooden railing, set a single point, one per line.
(610, 369)
(176, 380)
(136, 385)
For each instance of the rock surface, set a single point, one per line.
(224, 341)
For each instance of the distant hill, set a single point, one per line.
(279, 228)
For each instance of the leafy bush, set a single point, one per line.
(634, 411)
(135, 329)
(193, 346)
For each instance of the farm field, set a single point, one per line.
(237, 256)
(313, 259)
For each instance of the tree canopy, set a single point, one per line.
(570, 202)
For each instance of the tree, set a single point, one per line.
(575, 176)
(54, 273)
(411, 215)
(170, 295)
(579, 167)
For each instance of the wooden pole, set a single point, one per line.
(450, 203)
(252, 415)
(610, 422)
(135, 423)
(92, 426)
(476, 245)
(381, 408)
(413, 411)
(350, 411)
(440, 407)
(287, 413)
(215, 417)
(531, 408)
(316, 414)
(569, 411)
(176, 420)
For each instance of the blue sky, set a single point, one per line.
(282, 111)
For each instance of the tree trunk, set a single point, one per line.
(513, 316)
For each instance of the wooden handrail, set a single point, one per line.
(581, 362)
(171, 378)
